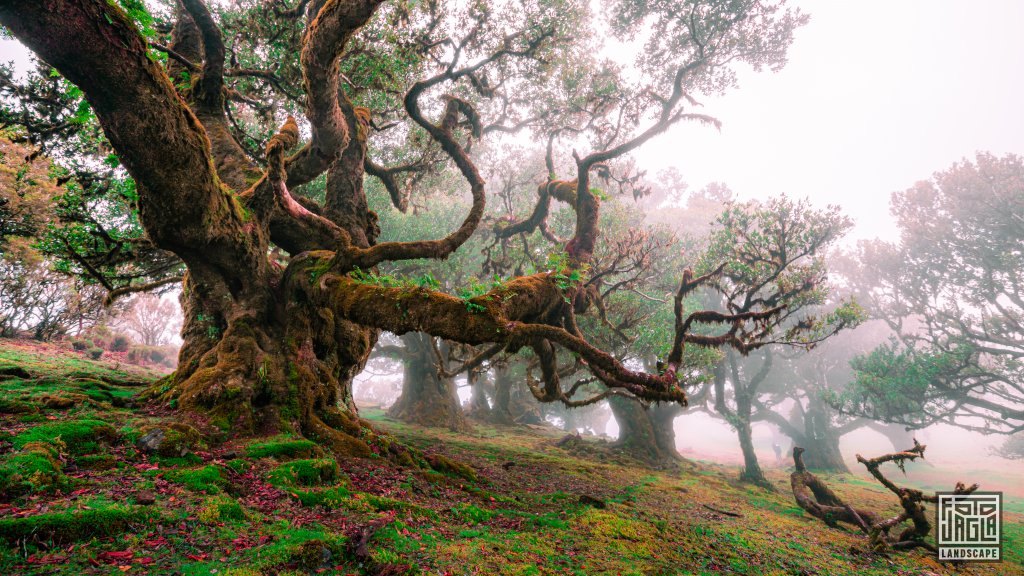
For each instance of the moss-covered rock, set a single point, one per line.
(449, 466)
(313, 554)
(172, 440)
(60, 400)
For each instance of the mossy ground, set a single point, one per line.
(280, 506)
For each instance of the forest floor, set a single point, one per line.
(78, 497)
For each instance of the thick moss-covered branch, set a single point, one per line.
(208, 89)
(814, 496)
(523, 312)
(158, 139)
(322, 48)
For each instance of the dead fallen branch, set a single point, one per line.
(725, 512)
(814, 496)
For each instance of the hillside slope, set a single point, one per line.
(78, 496)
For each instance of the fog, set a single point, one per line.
(953, 454)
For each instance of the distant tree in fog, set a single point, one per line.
(952, 290)
(775, 256)
(152, 319)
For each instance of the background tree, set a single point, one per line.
(951, 290)
(773, 255)
(648, 431)
(795, 394)
(151, 319)
(35, 300)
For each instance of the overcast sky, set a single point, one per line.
(877, 95)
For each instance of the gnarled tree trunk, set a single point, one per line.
(741, 422)
(822, 453)
(646, 433)
(428, 398)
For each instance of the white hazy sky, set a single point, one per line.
(877, 95)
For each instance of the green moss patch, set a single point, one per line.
(285, 449)
(332, 497)
(97, 462)
(210, 479)
(34, 469)
(220, 508)
(313, 472)
(78, 436)
(16, 407)
(73, 525)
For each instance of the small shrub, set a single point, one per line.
(156, 356)
(80, 344)
(120, 343)
(95, 352)
(100, 336)
(136, 354)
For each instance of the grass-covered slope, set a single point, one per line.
(78, 497)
